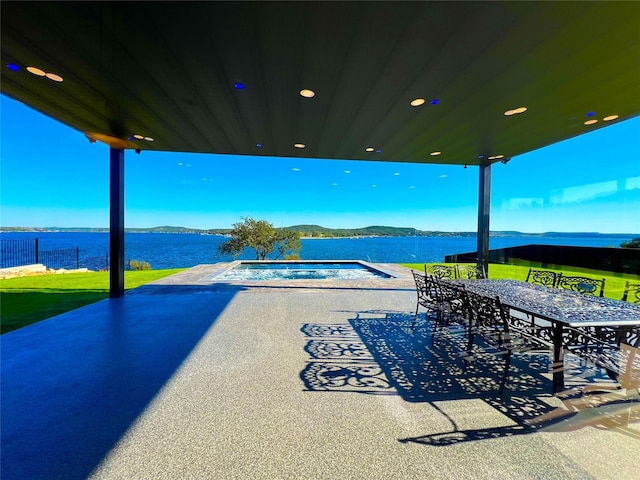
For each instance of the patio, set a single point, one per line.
(190, 378)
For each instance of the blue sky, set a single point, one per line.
(52, 176)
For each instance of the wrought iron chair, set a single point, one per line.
(542, 277)
(426, 294)
(470, 272)
(504, 334)
(631, 292)
(452, 304)
(588, 286)
(441, 271)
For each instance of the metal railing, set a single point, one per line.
(18, 252)
(68, 258)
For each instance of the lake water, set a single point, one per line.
(166, 250)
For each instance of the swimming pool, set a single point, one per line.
(301, 271)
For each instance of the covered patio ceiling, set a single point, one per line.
(225, 77)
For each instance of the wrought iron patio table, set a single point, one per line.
(561, 308)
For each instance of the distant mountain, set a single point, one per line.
(318, 231)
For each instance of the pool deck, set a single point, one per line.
(188, 377)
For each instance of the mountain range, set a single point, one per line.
(320, 231)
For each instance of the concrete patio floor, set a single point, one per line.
(188, 377)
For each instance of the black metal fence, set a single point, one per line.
(67, 258)
(15, 253)
(19, 252)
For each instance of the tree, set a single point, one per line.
(633, 243)
(262, 237)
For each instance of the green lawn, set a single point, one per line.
(26, 300)
(614, 282)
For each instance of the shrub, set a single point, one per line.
(139, 265)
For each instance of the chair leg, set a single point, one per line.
(507, 363)
(415, 317)
(438, 323)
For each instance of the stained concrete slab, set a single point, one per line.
(192, 378)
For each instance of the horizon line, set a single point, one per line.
(16, 228)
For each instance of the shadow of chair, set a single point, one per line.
(631, 292)
(542, 277)
(470, 272)
(585, 285)
(504, 335)
(441, 271)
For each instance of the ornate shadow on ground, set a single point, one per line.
(378, 353)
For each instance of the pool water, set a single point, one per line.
(301, 271)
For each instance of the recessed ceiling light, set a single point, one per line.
(417, 102)
(590, 114)
(396, 174)
(374, 186)
(609, 118)
(591, 122)
(369, 149)
(138, 136)
(378, 151)
(334, 184)
(515, 111)
(13, 66)
(148, 139)
(299, 145)
(258, 145)
(498, 156)
(54, 77)
(347, 171)
(36, 71)
(307, 93)
(481, 156)
(434, 101)
(238, 86)
(433, 154)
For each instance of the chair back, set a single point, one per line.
(442, 271)
(631, 292)
(585, 285)
(542, 277)
(487, 313)
(452, 298)
(470, 272)
(421, 287)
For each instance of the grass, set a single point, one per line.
(26, 300)
(614, 282)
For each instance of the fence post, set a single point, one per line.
(37, 259)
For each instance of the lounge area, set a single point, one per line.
(192, 378)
